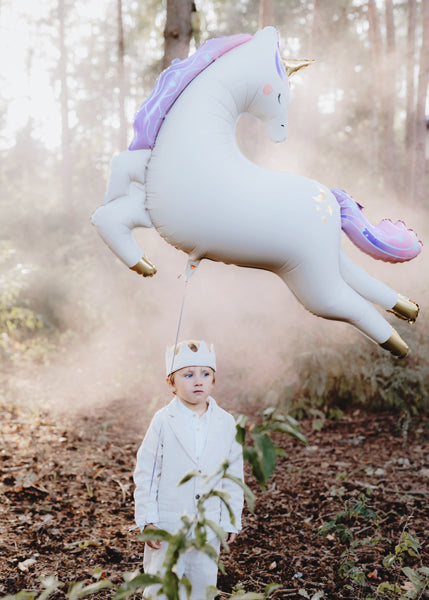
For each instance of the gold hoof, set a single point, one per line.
(144, 267)
(405, 309)
(396, 345)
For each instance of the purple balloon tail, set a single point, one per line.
(387, 241)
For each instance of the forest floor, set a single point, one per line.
(66, 505)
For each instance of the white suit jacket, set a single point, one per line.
(166, 455)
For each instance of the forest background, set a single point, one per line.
(82, 338)
(76, 326)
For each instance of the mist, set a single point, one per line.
(257, 326)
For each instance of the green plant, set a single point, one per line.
(262, 452)
(333, 378)
(346, 524)
(23, 332)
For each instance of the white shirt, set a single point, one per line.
(198, 426)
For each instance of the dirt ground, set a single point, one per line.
(66, 504)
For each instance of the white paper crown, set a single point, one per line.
(185, 357)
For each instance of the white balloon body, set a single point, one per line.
(206, 198)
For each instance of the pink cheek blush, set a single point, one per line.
(267, 89)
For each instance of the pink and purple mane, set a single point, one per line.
(171, 83)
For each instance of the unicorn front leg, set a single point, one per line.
(124, 209)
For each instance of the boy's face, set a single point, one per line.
(193, 385)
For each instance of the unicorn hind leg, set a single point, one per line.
(327, 295)
(376, 291)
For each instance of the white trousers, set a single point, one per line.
(196, 566)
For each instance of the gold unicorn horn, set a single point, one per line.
(292, 65)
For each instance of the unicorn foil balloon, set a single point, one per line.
(185, 175)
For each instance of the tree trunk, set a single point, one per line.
(121, 79)
(178, 30)
(410, 101)
(64, 99)
(315, 49)
(384, 66)
(375, 42)
(266, 13)
(421, 132)
(389, 99)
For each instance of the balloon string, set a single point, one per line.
(179, 324)
(172, 362)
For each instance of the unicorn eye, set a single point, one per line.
(278, 98)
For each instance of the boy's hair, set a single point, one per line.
(192, 345)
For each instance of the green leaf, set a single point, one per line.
(22, 595)
(130, 587)
(251, 455)
(51, 584)
(266, 447)
(416, 579)
(248, 494)
(221, 567)
(80, 590)
(224, 496)
(289, 430)
(240, 436)
(187, 585)
(209, 551)
(389, 588)
(389, 561)
(190, 475)
(211, 592)
(177, 545)
(200, 536)
(219, 532)
(151, 534)
(170, 585)
(270, 588)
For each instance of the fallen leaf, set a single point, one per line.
(26, 564)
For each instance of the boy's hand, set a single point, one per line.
(231, 538)
(156, 545)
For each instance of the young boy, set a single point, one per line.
(191, 432)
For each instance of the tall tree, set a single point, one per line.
(389, 98)
(384, 83)
(410, 95)
(65, 127)
(178, 30)
(421, 119)
(266, 13)
(121, 78)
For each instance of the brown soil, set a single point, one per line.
(66, 504)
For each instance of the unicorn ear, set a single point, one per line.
(292, 65)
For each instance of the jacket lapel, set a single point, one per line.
(176, 421)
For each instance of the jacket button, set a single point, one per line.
(197, 497)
